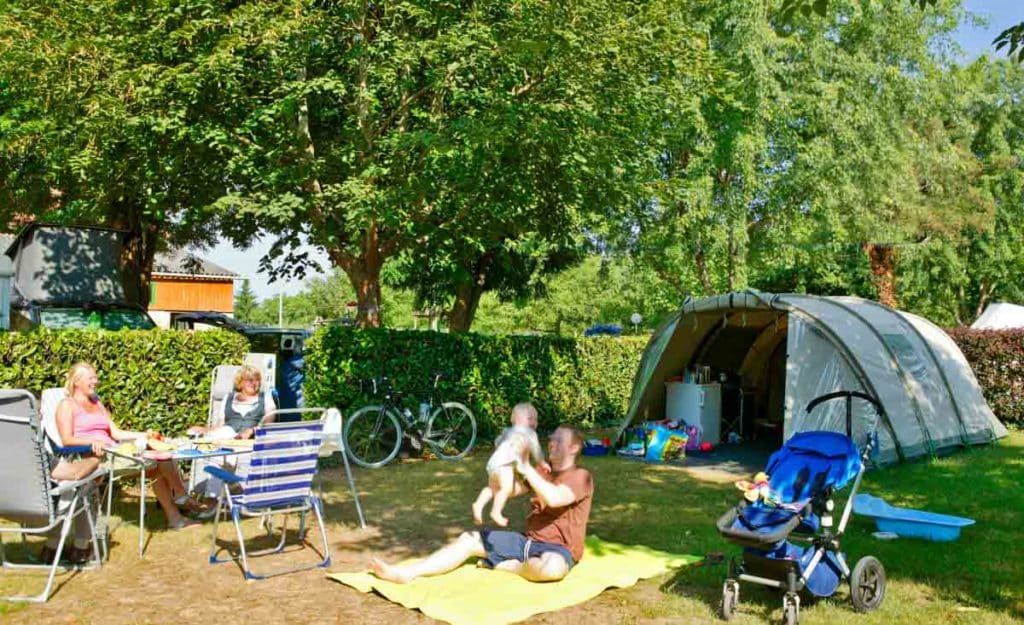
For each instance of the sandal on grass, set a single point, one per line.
(189, 504)
(183, 524)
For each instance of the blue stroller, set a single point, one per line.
(803, 477)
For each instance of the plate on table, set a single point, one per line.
(127, 448)
(237, 443)
(157, 445)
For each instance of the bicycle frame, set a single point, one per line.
(410, 421)
(447, 428)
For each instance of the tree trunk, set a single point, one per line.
(883, 268)
(367, 288)
(467, 297)
(137, 253)
(363, 272)
(468, 294)
(366, 282)
(702, 270)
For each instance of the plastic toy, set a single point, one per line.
(758, 490)
(907, 522)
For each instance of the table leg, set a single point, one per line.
(110, 502)
(142, 510)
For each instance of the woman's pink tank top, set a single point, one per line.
(92, 425)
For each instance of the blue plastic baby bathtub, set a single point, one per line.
(908, 522)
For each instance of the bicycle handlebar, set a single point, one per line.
(384, 384)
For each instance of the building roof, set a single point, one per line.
(173, 263)
(183, 264)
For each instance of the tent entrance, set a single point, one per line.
(746, 354)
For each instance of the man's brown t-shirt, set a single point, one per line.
(566, 525)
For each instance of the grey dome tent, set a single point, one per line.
(787, 349)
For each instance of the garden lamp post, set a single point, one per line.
(635, 319)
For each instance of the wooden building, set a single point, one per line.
(184, 283)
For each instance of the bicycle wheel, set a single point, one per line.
(451, 431)
(372, 436)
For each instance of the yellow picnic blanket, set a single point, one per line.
(471, 595)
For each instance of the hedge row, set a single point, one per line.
(148, 379)
(161, 379)
(997, 357)
(585, 382)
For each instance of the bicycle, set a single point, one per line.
(374, 433)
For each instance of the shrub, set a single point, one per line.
(585, 383)
(149, 379)
(997, 357)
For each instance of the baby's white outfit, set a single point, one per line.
(510, 445)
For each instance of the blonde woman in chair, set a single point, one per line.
(236, 417)
(82, 419)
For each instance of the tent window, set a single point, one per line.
(906, 355)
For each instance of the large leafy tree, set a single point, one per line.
(952, 277)
(374, 129)
(818, 142)
(87, 135)
(366, 128)
(546, 167)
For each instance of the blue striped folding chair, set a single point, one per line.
(279, 481)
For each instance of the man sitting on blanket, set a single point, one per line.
(555, 527)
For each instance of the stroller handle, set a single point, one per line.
(844, 394)
(848, 396)
(872, 438)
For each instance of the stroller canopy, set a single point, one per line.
(810, 462)
(784, 350)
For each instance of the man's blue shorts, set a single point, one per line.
(502, 545)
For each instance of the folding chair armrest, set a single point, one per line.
(73, 449)
(223, 475)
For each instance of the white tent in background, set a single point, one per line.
(1000, 316)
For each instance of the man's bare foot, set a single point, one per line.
(388, 572)
(478, 514)
(498, 518)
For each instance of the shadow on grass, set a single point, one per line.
(981, 483)
(414, 507)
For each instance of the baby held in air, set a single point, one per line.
(513, 444)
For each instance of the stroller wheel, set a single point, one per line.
(730, 599)
(791, 609)
(867, 584)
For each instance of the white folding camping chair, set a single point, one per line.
(28, 495)
(279, 481)
(49, 401)
(221, 385)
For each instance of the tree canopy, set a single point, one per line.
(477, 156)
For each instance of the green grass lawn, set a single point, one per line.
(412, 507)
(977, 579)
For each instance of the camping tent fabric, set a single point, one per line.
(70, 265)
(1000, 316)
(931, 398)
